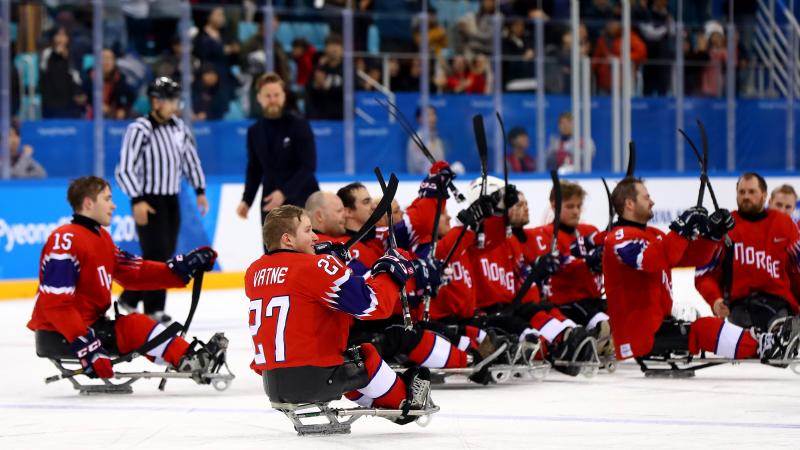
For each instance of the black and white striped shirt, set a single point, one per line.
(153, 157)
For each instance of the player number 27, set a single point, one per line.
(282, 304)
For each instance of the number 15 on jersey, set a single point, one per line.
(277, 306)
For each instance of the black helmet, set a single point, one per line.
(164, 88)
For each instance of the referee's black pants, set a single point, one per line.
(158, 240)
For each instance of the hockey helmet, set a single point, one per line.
(164, 88)
(493, 184)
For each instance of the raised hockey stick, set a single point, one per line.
(506, 219)
(483, 153)
(727, 262)
(383, 206)
(393, 243)
(556, 211)
(197, 288)
(631, 160)
(392, 109)
(426, 300)
(529, 280)
(610, 205)
(171, 331)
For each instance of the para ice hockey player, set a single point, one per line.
(760, 272)
(637, 265)
(576, 288)
(301, 309)
(78, 265)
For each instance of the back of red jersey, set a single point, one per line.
(574, 281)
(457, 298)
(301, 307)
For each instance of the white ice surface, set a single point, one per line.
(742, 406)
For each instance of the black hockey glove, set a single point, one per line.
(719, 223)
(92, 356)
(333, 248)
(199, 259)
(594, 259)
(428, 276)
(440, 173)
(505, 196)
(396, 264)
(691, 223)
(545, 266)
(477, 212)
(583, 245)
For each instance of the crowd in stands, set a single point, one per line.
(227, 51)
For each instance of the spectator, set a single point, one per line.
(561, 150)
(714, 49)
(22, 163)
(169, 63)
(479, 75)
(609, 45)
(519, 160)
(303, 54)
(118, 97)
(597, 13)
(694, 61)
(458, 81)
(209, 47)
(517, 52)
(784, 199)
(253, 59)
(324, 88)
(437, 34)
(474, 30)
(59, 82)
(372, 68)
(80, 39)
(416, 162)
(208, 100)
(657, 29)
(559, 75)
(469, 78)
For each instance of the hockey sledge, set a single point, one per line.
(320, 419)
(53, 347)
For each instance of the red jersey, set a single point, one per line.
(499, 267)
(416, 228)
(456, 298)
(301, 307)
(764, 260)
(77, 265)
(637, 266)
(574, 281)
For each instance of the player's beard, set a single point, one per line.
(273, 112)
(749, 207)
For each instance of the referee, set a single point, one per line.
(156, 150)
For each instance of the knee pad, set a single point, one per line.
(396, 340)
(672, 336)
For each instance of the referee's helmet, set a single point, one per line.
(164, 88)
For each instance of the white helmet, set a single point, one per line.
(493, 184)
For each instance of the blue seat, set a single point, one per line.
(28, 66)
(247, 30)
(373, 40)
